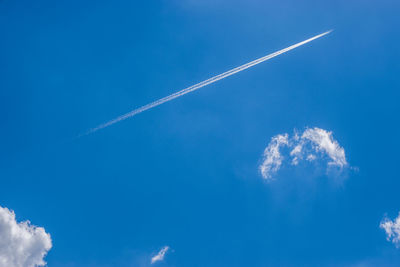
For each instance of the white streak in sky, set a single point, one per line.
(160, 255)
(202, 84)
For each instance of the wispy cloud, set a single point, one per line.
(272, 156)
(312, 144)
(160, 255)
(21, 244)
(392, 229)
(202, 84)
(320, 141)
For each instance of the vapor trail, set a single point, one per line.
(201, 84)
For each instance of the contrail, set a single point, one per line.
(201, 84)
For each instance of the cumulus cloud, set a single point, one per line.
(272, 156)
(21, 244)
(160, 255)
(322, 141)
(392, 229)
(312, 144)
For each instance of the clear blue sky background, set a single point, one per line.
(185, 174)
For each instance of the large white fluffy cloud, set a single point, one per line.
(392, 229)
(160, 255)
(312, 144)
(21, 244)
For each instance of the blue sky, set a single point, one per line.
(185, 174)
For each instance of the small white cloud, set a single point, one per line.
(323, 141)
(311, 144)
(392, 229)
(272, 159)
(160, 255)
(311, 157)
(296, 152)
(21, 244)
